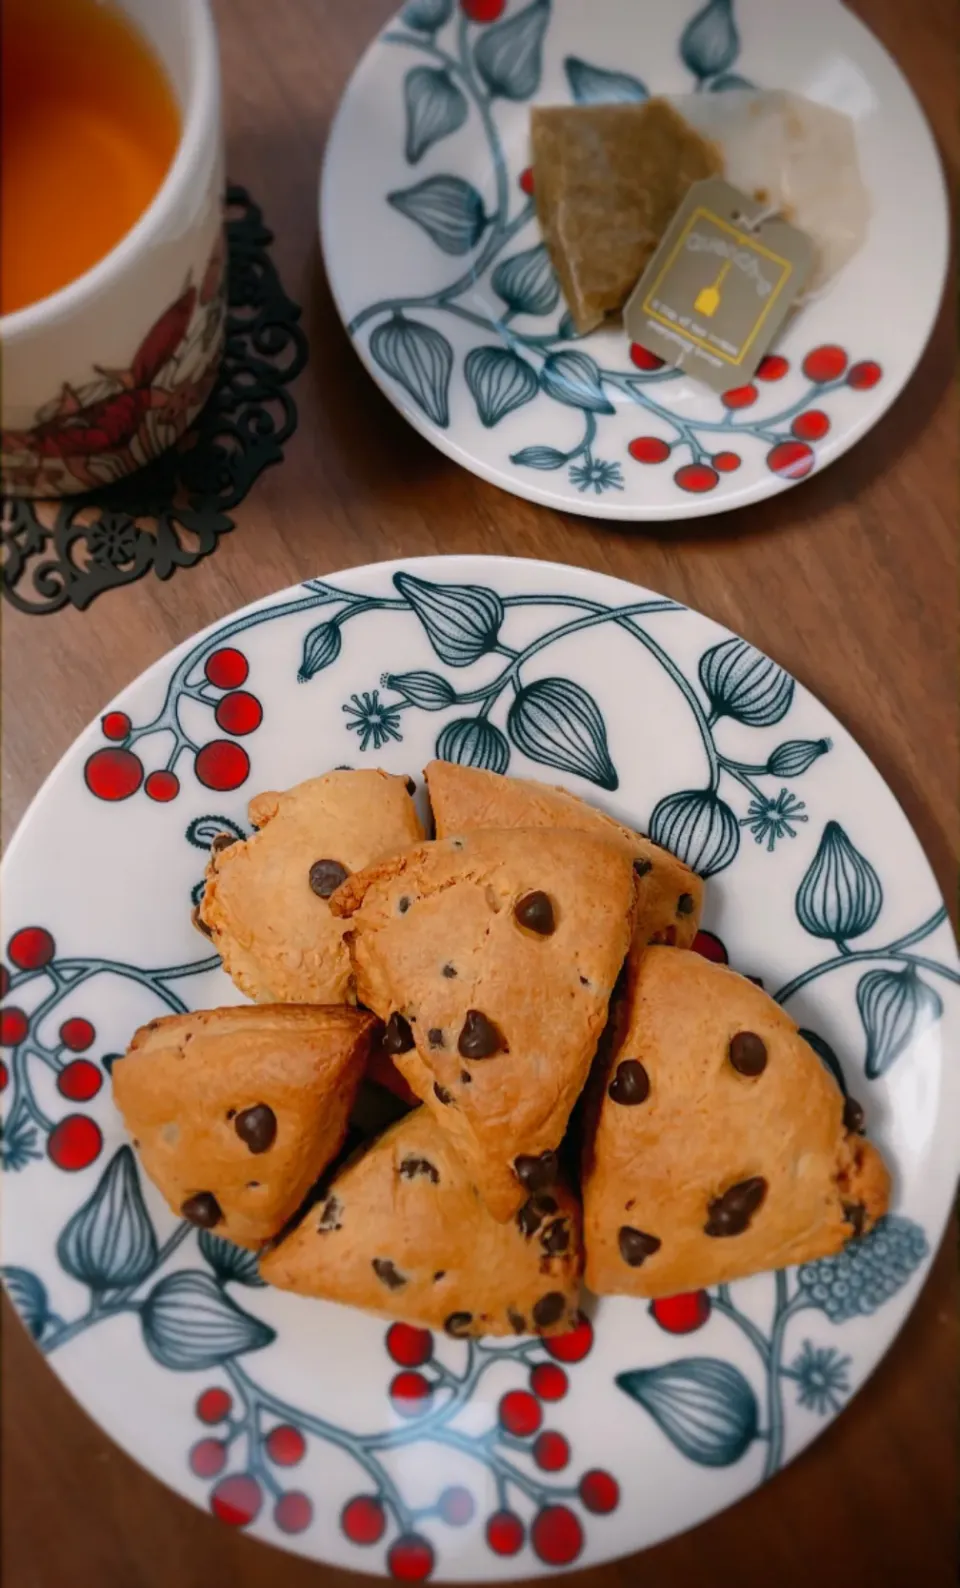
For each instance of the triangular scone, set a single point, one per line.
(403, 1232)
(720, 1144)
(236, 1112)
(492, 958)
(670, 894)
(265, 902)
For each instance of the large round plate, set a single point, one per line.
(433, 250)
(659, 1416)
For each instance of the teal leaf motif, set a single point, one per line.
(710, 43)
(896, 1007)
(420, 359)
(473, 741)
(449, 209)
(705, 1407)
(110, 1242)
(840, 895)
(557, 723)
(204, 829)
(320, 649)
(527, 282)
(427, 690)
(699, 828)
(796, 756)
(732, 82)
(29, 1296)
(741, 682)
(18, 1146)
(229, 1262)
(591, 85)
(867, 1272)
(462, 621)
(508, 55)
(499, 381)
(426, 15)
(189, 1324)
(574, 379)
(827, 1057)
(540, 458)
(436, 107)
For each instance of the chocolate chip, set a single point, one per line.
(642, 867)
(479, 1038)
(517, 1321)
(458, 1323)
(410, 785)
(631, 1084)
(855, 1214)
(584, 981)
(435, 1037)
(326, 877)
(537, 1173)
(387, 1274)
(450, 972)
(441, 1094)
(466, 1079)
(748, 1053)
(529, 1219)
(550, 1309)
(203, 1209)
(730, 1214)
(397, 1036)
(253, 1185)
(221, 842)
(555, 1238)
(686, 904)
(199, 922)
(256, 1127)
(441, 1273)
(853, 1115)
(535, 912)
(231, 1113)
(330, 1217)
(636, 1245)
(411, 1167)
(544, 1204)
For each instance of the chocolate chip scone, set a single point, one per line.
(492, 959)
(266, 898)
(465, 798)
(403, 1232)
(720, 1145)
(236, 1112)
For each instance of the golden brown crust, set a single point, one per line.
(276, 936)
(186, 1083)
(660, 1166)
(403, 1233)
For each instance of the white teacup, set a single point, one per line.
(103, 375)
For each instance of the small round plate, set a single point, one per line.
(434, 255)
(319, 1428)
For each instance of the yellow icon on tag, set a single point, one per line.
(708, 298)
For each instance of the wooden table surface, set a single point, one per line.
(850, 581)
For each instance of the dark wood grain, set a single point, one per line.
(851, 582)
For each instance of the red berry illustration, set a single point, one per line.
(31, 948)
(227, 669)
(726, 462)
(408, 1346)
(549, 1382)
(483, 10)
(643, 358)
(80, 1081)
(410, 1559)
(363, 1520)
(526, 179)
(113, 774)
(74, 1143)
(556, 1535)
(551, 1451)
(682, 1314)
(505, 1533)
(792, 459)
(4, 1076)
(115, 725)
(4, 981)
(572, 1347)
(13, 1027)
(239, 712)
(825, 364)
(456, 1506)
(162, 786)
(285, 1445)
(410, 1394)
(520, 1413)
(811, 426)
(773, 367)
(77, 1034)
(649, 449)
(599, 1492)
(208, 1457)
(213, 1405)
(222, 765)
(864, 375)
(293, 1512)
(710, 946)
(740, 397)
(696, 477)
(237, 1499)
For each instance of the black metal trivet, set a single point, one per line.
(172, 512)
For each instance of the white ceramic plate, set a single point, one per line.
(314, 1425)
(434, 254)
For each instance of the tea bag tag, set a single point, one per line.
(720, 285)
